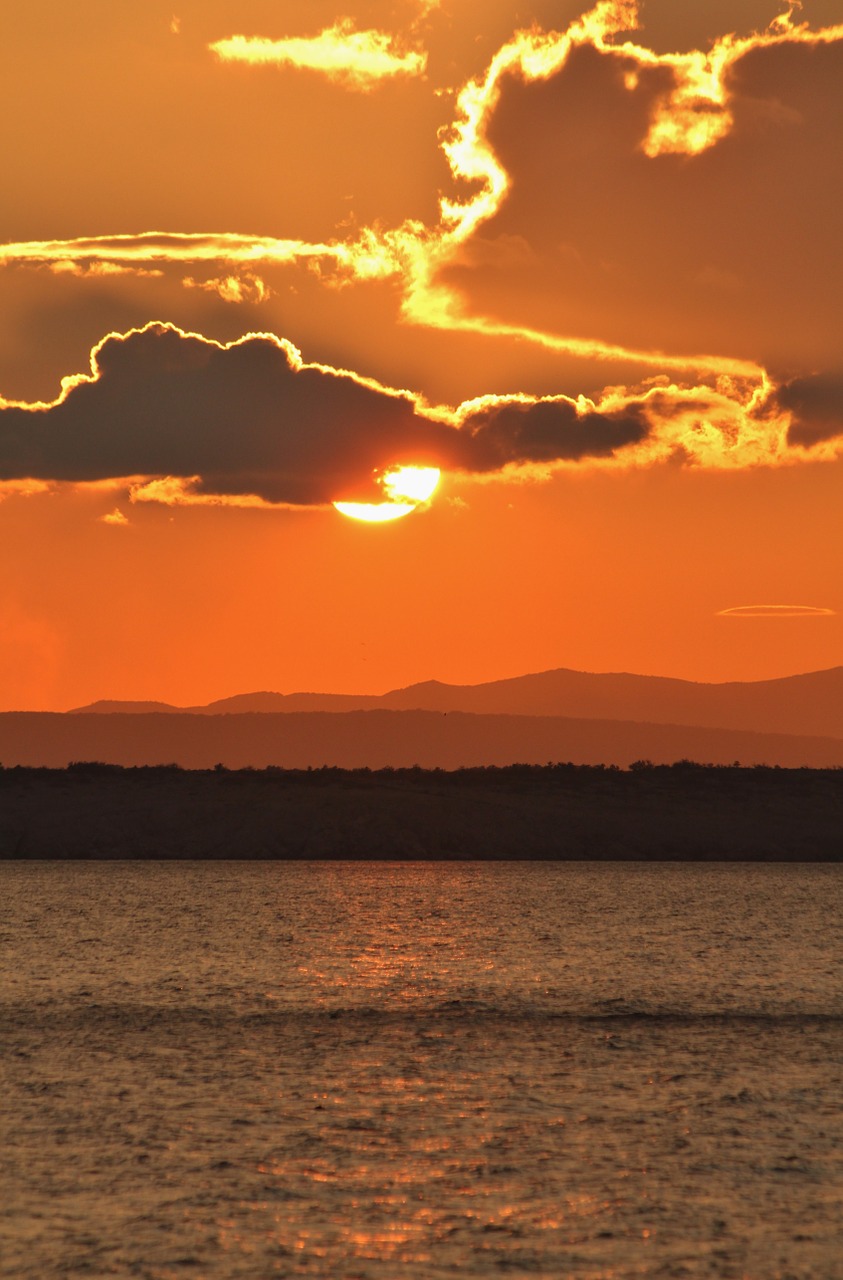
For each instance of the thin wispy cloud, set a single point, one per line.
(357, 59)
(776, 611)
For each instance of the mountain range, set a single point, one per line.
(805, 705)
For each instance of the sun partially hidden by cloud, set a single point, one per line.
(359, 59)
(408, 488)
(776, 611)
(414, 483)
(182, 398)
(375, 512)
(309, 434)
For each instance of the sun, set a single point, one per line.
(416, 484)
(375, 512)
(406, 487)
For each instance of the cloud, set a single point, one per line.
(186, 491)
(357, 59)
(815, 404)
(652, 233)
(193, 420)
(695, 111)
(178, 418)
(248, 418)
(501, 432)
(668, 104)
(690, 112)
(411, 253)
(241, 287)
(93, 268)
(22, 488)
(163, 247)
(776, 611)
(116, 518)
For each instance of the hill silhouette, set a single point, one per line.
(378, 739)
(809, 705)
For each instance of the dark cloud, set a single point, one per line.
(544, 431)
(816, 403)
(639, 251)
(242, 417)
(249, 420)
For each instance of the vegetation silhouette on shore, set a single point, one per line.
(557, 811)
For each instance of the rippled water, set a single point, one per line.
(421, 1070)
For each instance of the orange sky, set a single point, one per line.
(586, 262)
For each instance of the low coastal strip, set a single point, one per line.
(559, 811)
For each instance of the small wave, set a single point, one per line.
(141, 1017)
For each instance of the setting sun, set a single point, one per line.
(328, 852)
(417, 484)
(414, 485)
(375, 512)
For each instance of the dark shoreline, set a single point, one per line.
(684, 811)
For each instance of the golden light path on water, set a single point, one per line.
(407, 487)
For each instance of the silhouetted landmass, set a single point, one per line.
(381, 739)
(810, 704)
(564, 811)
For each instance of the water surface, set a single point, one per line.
(421, 1070)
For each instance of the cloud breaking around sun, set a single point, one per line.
(179, 417)
(251, 421)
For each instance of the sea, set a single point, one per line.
(407, 1071)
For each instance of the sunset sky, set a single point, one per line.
(257, 258)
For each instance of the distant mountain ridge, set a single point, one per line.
(805, 705)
